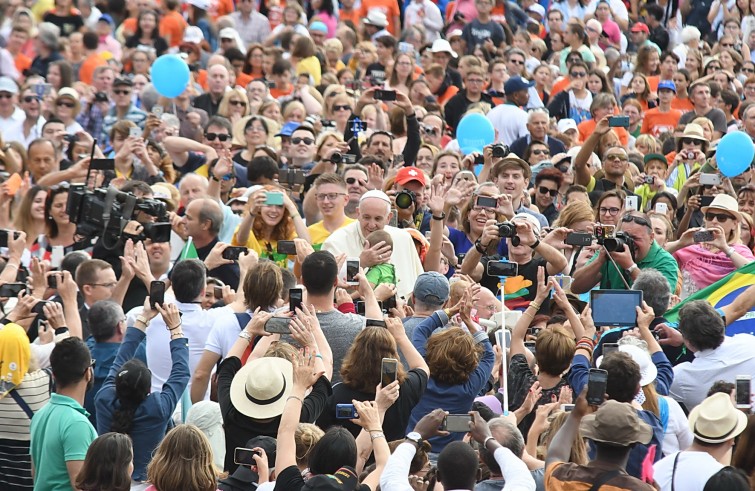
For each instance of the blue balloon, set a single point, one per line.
(734, 153)
(170, 75)
(474, 132)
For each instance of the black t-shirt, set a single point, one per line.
(159, 44)
(527, 271)
(290, 480)
(68, 24)
(397, 416)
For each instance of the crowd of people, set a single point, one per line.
(305, 272)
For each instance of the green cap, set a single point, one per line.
(655, 156)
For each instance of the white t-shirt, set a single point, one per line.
(678, 436)
(510, 121)
(692, 471)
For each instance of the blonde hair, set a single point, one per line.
(224, 109)
(576, 211)
(306, 437)
(648, 141)
(184, 462)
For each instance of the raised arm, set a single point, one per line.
(519, 333)
(581, 161)
(412, 356)
(179, 147)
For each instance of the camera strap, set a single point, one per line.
(621, 271)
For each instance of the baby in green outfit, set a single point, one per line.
(384, 272)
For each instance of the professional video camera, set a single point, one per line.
(613, 241)
(508, 230)
(105, 212)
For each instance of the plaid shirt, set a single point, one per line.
(135, 115)
(91, 119)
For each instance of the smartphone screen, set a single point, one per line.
(295, 298)
(244, 456)
(596, 386)
(352, 269)
(287, 247)
(743, 391)
(616, 308)
(457, 423)
(487, 202)
(156, 293)
(388, 371)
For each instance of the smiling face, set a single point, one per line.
(58, 209)
(448, 166)
(38, 206)
(373, 214)
(609, 210)
(425, 160)
(615, 162)
(331, 199)
(511, 181)
(660, 230)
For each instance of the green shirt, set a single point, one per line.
(60, 432)
(657, 258)
(382, 273)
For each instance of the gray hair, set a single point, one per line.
(210, 211)
(104, 317)
(655, 290)
(536, 112)
(512, 437)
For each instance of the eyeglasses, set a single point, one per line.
(306, 141)
(110, 285)
(517, 62)
(544, 190)
(5, 95)
(719, 217)
(609, 211)
(237, 103)
(220, 136)
(341, 107)
(475, 81)
(122, 92)
(91, 365)
(483, 209)
(578, 75)
(748, 70)
(615, 156)
(328, 196)
(538, 151)
(636, 219)
(65, 104)
(691, 141)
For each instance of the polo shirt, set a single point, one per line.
(657, 258)
(60, 432)
(318, 233)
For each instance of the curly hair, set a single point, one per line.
(452, 355)
(184, 460)
(283, 230)
(305, 438)
(361, 366)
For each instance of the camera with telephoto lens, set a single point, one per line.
(508, 230)
(617, 242)
(405, 199)
(500, 150)
(105, 212)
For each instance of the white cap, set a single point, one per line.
(442, 46)
(193, 35)
(536, 8)
(227, 33)
(251, 190)
(375, 193)
(566, 124)
(456, 33)
(534, 222)
(8, 85)
(376, 18)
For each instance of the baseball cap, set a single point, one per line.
(8, 85)
(536, 8)
(121, 81)
(193, 35)
(344, 479)
(640, 27)
(289, 128)
(318, 26)
(655, 156)
(515, 84)
(616, 423)
(407, 174)
(432, 288)
(534, 222)
(566, 124)
(227, 33)
(106, 18)
(667, 84)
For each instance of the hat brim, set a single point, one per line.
(260, 411)
(739, 428)
(450, 52)
(587, 427)
(705, 209)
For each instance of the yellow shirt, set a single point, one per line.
(318, 233)
(311, 66)
(265, 249)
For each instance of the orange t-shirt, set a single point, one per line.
(353, 16)
(242, 79)
(682, 105)
(129, 27)
(653, 82)
(586, 128)
(561, 85)
(219, 8)
(275, 92)
(445, 96)
(388, 7)
(656, 123)
(201, 79)
(172, 27)
(86, 71)
(22, 62)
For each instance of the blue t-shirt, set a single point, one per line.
(462, 244)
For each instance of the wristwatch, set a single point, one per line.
(631, 268)
(414, 437)
(441, 217)
(537, 243)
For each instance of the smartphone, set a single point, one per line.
(605, 231)
(618, 121)
(503, 338)
(359, 307)
(457, 423)
(563, 281)
(578, 239)
(615, 308)
(274, 198)
(487, 202)
(375, 323)
(478, 160)
(52, 281)
(278, 325)
(706, 200)
(217, 292)
(610, 347)
(567, 408)
(710, 180)
(346, 411)
(388, 371)
(287, 247)
(156, 293)
(744, 399)
(352, 269)
(630, 203)
(661, 208)
(460, 258)
(530, 345)
(502, 268)
(597, 380)
(703, 236)
(232, 253)
(244, 456)
(389, 303)
(4, 237)
(295, 299)
(405, 47)
(102, 164)
(13, 184)
(157, 111)
(386, 95)
(10, 290)
(135, 132)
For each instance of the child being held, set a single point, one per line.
(383, 272)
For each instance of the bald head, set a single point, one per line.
(192, 186)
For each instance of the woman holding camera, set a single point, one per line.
(707, 254)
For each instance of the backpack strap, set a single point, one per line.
(22, 403)
(604, 478)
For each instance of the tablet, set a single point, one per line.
(616, 308)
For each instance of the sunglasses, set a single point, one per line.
(691, 141)
(719, 217)
(727, 45)
(540, 152)
(31, 98)
(122, 92)
(429, 130)
(714, 67)
(6, 95)
(220, 136)
(578, 75)
(517, 62)
(341, 107)
(306, 141)
(65, 104)
(237, 103)
(544, 190)
(637, 220)
(354, 180)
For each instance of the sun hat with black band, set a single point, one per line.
(716, 420)
(259, 390)
(726, 203)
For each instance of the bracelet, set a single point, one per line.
(295, 397)
(588, 340)
(729, 252)
(535, 305)
(246, 335)
(447, 312)
(480, 248)
(376, 435)
(173, 328)
(176, 335)
(441, 217)
(142, 319)
(485, 443)
(318, 355)
(537, 243)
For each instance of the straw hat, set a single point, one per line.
(716, 420)
(726, 203)
(259, 390)
(70, 94)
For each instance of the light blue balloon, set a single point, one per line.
(734, 153)
(474, 132)
(170, 75)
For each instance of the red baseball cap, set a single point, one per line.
(640, 27)
(407, 174)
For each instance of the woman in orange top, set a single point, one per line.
(253, 63)
(682, 80)
(639, 88)
(649, 64)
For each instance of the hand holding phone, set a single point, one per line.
(597, 380)
(352, 269)
(388, 371)
(156, 294)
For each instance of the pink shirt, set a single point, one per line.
(701, 268)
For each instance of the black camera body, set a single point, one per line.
(500, 150)
(345, 158)
(405, 199)
(617, 243)
(101, 97)
(507, 230)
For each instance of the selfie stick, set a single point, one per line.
(91, 157)
(617, 268)
(503, 381)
